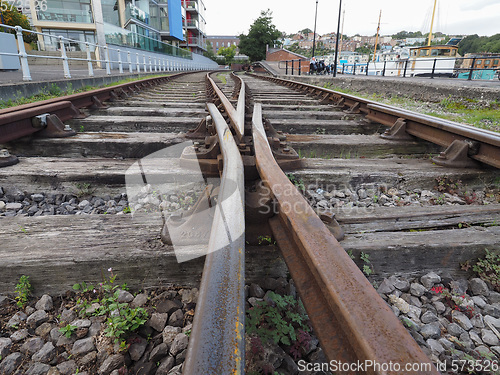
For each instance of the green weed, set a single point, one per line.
(122, 320)
(23, 290)
(297, 181)
(487, 268)
(68, 330)
(277, 320)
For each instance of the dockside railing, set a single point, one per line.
(127, 61)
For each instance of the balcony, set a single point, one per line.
(191, 24)
(195, 42)
(122, 37)
(65, 15)
(132, 12)
(191, 6)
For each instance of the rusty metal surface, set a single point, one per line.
(442, 132)
(217, 340)
(363, 324)
(432, 129)
(236, 116)
(15, 122)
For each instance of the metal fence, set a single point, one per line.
(123, 59)
(431, 68)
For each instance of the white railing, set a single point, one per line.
(145, 63)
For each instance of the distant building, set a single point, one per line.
(150, 25)
(194, 25)
(349, 57)
(141, 24)
(412, 41)
(223, 41)
(482, 61)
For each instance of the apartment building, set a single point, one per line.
(223, 41)
(150, 25)
(195, 26)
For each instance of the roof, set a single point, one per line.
(435, 45)
(271, 51)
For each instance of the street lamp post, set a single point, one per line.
(314, 34)
(337, 43)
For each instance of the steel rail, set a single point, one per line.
(484, 144)
(351, 320)
(16, 122)
(236, 116)
(441, 132)
(217, 340)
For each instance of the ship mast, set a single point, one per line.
(432, 23)
(342, 32)
(376, 38)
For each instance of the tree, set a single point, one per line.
(210, 52)
(11, 17)
(365, 50)
(261, 33)
(477, 44)
(228, 53)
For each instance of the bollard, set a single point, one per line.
(64, 58)
(106, 56)
(120, 64)
(383, 71)
(156, 66)
(433, 68)
(471, 69)
(89, 60)
(22, 54)
(150, 65)
(129, 60)
(144, 61)
(137, 63)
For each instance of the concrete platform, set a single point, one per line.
(13, 87)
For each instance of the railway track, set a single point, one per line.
(351, 184)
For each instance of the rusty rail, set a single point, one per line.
(352, 322)
(236, 116)
(463, 143)
(217, 342)
(20, 121)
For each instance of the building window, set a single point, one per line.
(82, 36)
(495, 62)
(67, 11)
(486, 62)
(479, 62)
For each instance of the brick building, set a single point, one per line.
(219, 41)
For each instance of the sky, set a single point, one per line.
(453, 17)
